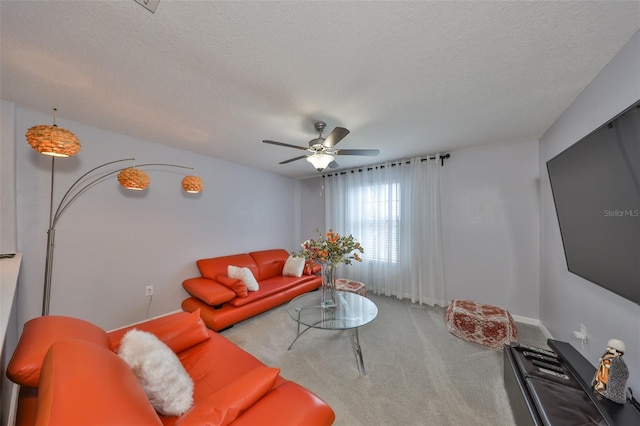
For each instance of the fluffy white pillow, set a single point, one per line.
(164, 379)
(245, 275)
(293, 266)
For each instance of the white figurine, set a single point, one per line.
(610, 380)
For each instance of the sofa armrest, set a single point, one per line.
(209, 291)
(86, 384)
(37, 337)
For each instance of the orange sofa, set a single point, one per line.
(70, 375)
(221, 306)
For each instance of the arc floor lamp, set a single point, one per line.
(55, 141)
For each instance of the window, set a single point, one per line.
(378, 221)
(393, 210)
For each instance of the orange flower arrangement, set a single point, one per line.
(331, 248)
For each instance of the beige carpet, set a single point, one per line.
(417, 372)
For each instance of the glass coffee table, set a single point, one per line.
(350, 312)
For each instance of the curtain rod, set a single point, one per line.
(382, 166)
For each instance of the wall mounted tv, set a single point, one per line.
(596, 190)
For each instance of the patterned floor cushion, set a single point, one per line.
(484, 324)
(343, 284)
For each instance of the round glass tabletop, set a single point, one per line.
(351, 311)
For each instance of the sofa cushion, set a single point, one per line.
(244, 274)
(37, 337)
(238, 286)
(164, 379)
(209, 292)
(294, 266)
(212, 267)
(225, 405)
(270, 287)
(184, 330)
(311, 268)
(311, 410)
(86, 384)
(269, 262)
(214, 364)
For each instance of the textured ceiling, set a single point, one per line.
(407, 78)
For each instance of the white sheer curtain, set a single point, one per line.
(394, 211)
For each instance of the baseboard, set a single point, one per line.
(533, 321)
(545, 331)
(148, 319)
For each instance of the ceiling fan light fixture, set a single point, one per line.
(320, 160)
(323, 149)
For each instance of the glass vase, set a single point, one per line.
(328, 285)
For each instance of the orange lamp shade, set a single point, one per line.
(132, 178)
(53, 140)
(192, 184)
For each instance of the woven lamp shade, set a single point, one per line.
(132, 178)
(192, 184)
(53, 141)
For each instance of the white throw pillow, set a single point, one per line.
(293, 266)
(245, 275)
(164, 379)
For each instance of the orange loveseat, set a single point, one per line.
(221, 306)
(71, 375)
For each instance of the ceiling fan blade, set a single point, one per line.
(335, 136)
(357, 152)
(293, 159)
(285, 144)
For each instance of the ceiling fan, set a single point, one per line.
(322, 150)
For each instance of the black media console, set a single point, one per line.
(553, 388)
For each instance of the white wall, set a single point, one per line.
(311, 208)
(8, 237)
(111, 243)
(8, 244)
(491, 226)
(566, 299)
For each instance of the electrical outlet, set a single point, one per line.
(148, 290)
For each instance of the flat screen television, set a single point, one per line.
(596, 191)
